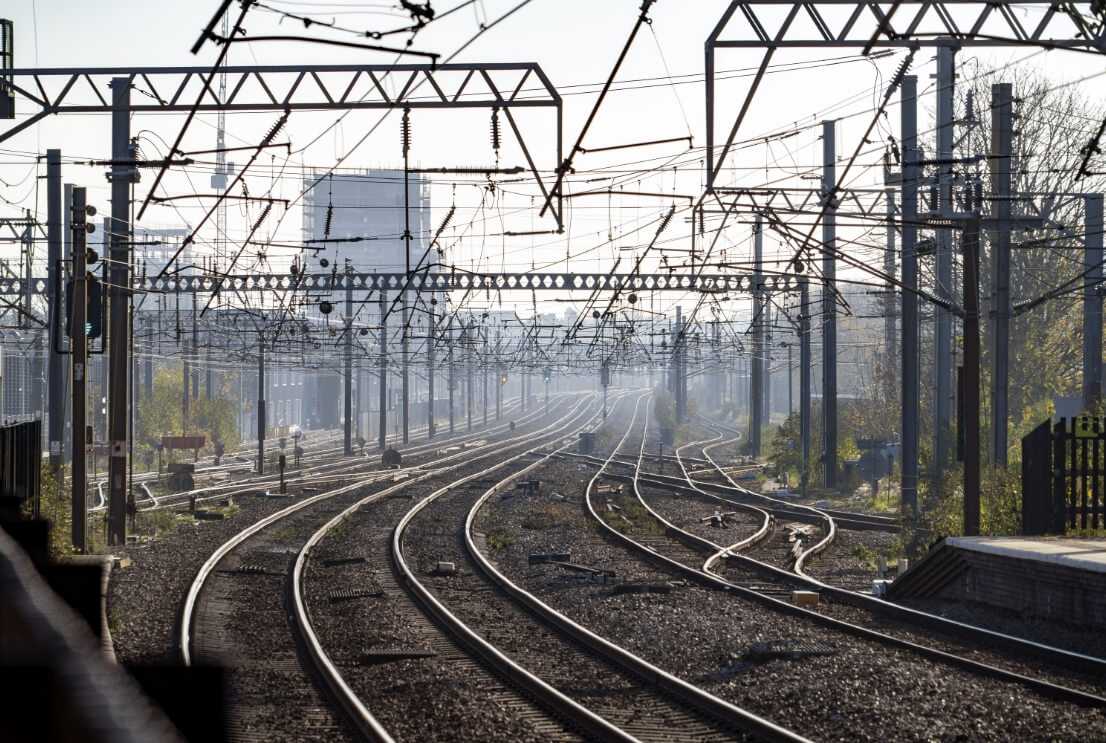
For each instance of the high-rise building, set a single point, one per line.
(364, 214)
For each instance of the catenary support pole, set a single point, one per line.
(756, 379)
(971, 376)
(347, 380)
(1002, 149)
(452, 381)
(79, 359)
(470, 349)
(382, 379)
(1092, 300)
(943, 383)
(122, 175)
(406, 382)
(431, 319)
(262, 410)
(829, 306)
(910, 340)
(55, 373)
(805, 362)
(890, 339)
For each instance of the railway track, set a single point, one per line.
(861, 609)
(679, 548)
(333, 463)
(240, 609)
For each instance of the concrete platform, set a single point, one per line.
(1080, 554)
(1054, 579)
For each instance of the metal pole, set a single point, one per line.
(970, 242)
(79, 351)
(452, 382)
(347, 391)
(122, 175)
(1092, 300)
(790, 381)
(430, 340)
(943, 385)
(405, 338)
(756, 379)
(195, 356)
(829, 306)
(890, 348)
(67, 252)
(910, 339)
(681, 371)
(485, 378)
(56, 370)
(262, 413)
(1002, 148)
(767, 363)
(804, 383)
(186, 390)
(470, 347)
(382, 381)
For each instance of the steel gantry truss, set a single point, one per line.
(291, 88)
(772, 25)
(719, 283)
(502, 87)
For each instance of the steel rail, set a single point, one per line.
(688, 694)
(986, 637)
(1046, 688)
(345, 464)
(546, 695)
(356, 710)
(189, 608)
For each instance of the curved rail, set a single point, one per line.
(986, 637)
(716, 708)
(1047, 688)
(185, 634)
(357, 712)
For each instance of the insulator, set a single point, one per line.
(329, 218)
(664, 223)
(405, 131)
(276, 129)
(264, 215)
(447, 220)
(496, 141)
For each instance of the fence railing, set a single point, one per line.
(1064, 476)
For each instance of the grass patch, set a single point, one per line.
(544, 516)
(499, 540)
(633, 519)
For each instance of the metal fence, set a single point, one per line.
(1064, 476)
(21, 460)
